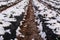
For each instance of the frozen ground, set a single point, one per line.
(5, 2)
(9, 19)
(48, 19)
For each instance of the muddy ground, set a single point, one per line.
(29, 28)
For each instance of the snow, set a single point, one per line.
(5, 2)
(13, 11)
(1, 16)
(48, 13)
(58, 18)
(51, 15)
(57, 31)
(22, 35)
(1, 38)
(32, 38)
(8, 31)
(43, 35)
(10, 19)
(54, 3)
(16, 39)
(17, 10)
(17, 31)
(7, 16)
(36, 3)
(5, 24)
(2, 31)
(53, 23)
(21, 22)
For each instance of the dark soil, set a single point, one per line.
(29, 28)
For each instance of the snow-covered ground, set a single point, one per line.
(7, 17)
(47, 17)
(5, 2)
(54, 3)
(43, 14)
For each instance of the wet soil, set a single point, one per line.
(29, 28)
